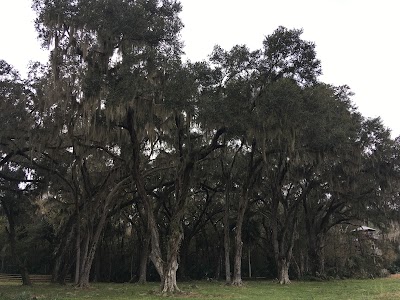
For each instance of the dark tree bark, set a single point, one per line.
(316, 253)
(144, 257)
(318, 221)
(77, 246)
(237, 265)
(12, 239)
(283, 242)
(60, 256)
(253, 170)
(167, 267)
(227, 238)
(91, 247)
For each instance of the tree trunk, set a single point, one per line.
(83, 258)
(61, 252)
(254, 167)
(283, 271)
(283, 242)
(2, 262)
(167, 270)
(184, 252)
(237, 265)
(56, 269)
(320, 256)
(78, 252)
(315, 250)
(91, 251)
(12, 238)
(144, 256)
(218, 267)
(227, 241)
(168, 281)
(92, 245)
(25, 275)
(249, 257)
(227, 238)
(155, 253)
(313, 257)
(97, 266)
(89, 255)
(168, 284)
(57, 272)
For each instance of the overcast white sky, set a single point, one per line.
(357, 41)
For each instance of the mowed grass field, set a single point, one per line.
(387, 288)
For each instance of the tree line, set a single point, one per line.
(116, 152)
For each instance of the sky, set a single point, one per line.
(357, 41)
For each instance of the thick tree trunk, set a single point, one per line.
(167, 270)
(283, 271)
(315, 245)
(25, 275)
(168, 281)
(56, 269)
(237, 265)
(83, 258)
(316, 255)
(283, 242)
(283, 255)
(144, 247)
(144, 256)
(321, 261)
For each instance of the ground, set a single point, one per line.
(388, 288)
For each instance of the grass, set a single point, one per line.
(388, 288)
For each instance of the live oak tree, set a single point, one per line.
(265, 88)
(288, 67)
(86, 36)
(354, 184)
(332, 138)
(230, 100)
(15, 204)
(129, 148)
(18, 179)
(115, 61)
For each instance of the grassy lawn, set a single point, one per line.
(345, 289)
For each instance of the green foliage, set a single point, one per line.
(287, 55)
